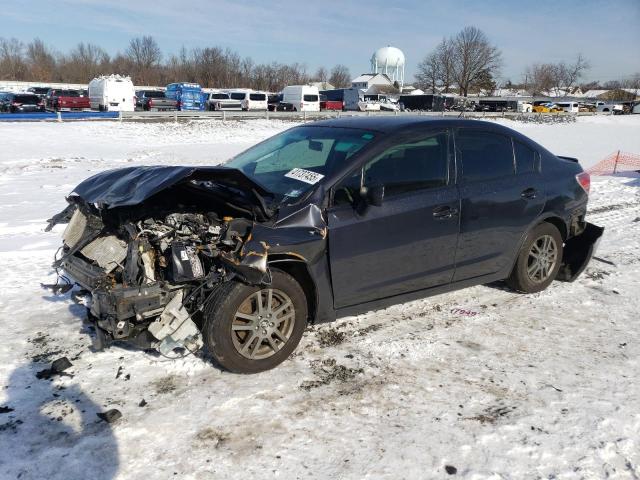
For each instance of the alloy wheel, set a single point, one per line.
(542, 259)
(263, 324)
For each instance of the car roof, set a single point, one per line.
(395, 123)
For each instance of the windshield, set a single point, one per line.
(237, 96)
(310, 98)
(289, 164)
(258, 97)
(29, 99)
(219, 96)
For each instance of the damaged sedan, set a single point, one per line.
(323, 220)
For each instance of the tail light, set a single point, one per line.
(584, 179)
(150, 102)
(178, 104)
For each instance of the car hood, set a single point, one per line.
(133, 185)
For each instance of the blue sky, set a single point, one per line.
(330, 32)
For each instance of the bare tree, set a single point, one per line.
(321, 75)
(555, 77)
(12, 63)
(340, 76)
(145, 55)
(572, 72)
(473, 57)
(429, 74)
(445, 53)
(40, 61)
(539, 78)
(85, 61)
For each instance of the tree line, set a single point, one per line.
(469, 63)
(144, 61)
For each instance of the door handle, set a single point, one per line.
(444, 211)
(529, 193)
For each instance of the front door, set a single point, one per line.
(409, 242)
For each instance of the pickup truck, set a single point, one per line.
(65, 100)
(275, 104)
(149, 100)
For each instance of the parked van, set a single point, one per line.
(304, 98)
(570, 107)
(112, 93)
(221, 101)
(250, 99)
(187, 95)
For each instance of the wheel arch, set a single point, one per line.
(550, 217)
(299, 270)
(559, 223)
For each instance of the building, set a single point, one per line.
(369, 80)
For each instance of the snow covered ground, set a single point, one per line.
(481, 382)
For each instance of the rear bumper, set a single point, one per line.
(578, 251)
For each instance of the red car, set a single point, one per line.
(66, 100)
(330, 104)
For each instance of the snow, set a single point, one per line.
(495, 384)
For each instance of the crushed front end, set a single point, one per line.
(147, 269)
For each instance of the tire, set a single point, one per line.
(249, 344)
(530, 275)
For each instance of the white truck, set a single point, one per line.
(112, 93)
(609, 107)
(304, 98)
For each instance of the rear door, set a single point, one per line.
(498, 200)
(406, 244)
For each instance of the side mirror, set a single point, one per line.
(375, 195)
(369, 196)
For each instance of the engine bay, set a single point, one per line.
(146, 280)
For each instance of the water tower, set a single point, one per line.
(389, 60)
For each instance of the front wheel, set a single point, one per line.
(250, 329)
(538, 261)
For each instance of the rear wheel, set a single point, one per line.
(249, 329)
(538, 261)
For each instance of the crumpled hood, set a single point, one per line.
(133, 185)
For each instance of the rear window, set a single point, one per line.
(219, 96)
(258, 97)
(153, 94)
(238, 96)
(526, 158)
(310, 98)
(28, 99)
(485, 155)
(68, 93)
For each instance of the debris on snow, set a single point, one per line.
(110, 416)
(57, 368)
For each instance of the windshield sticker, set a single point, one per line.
(306, 176)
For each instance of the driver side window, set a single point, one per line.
(402, 168)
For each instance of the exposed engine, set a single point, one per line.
(148, 280)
